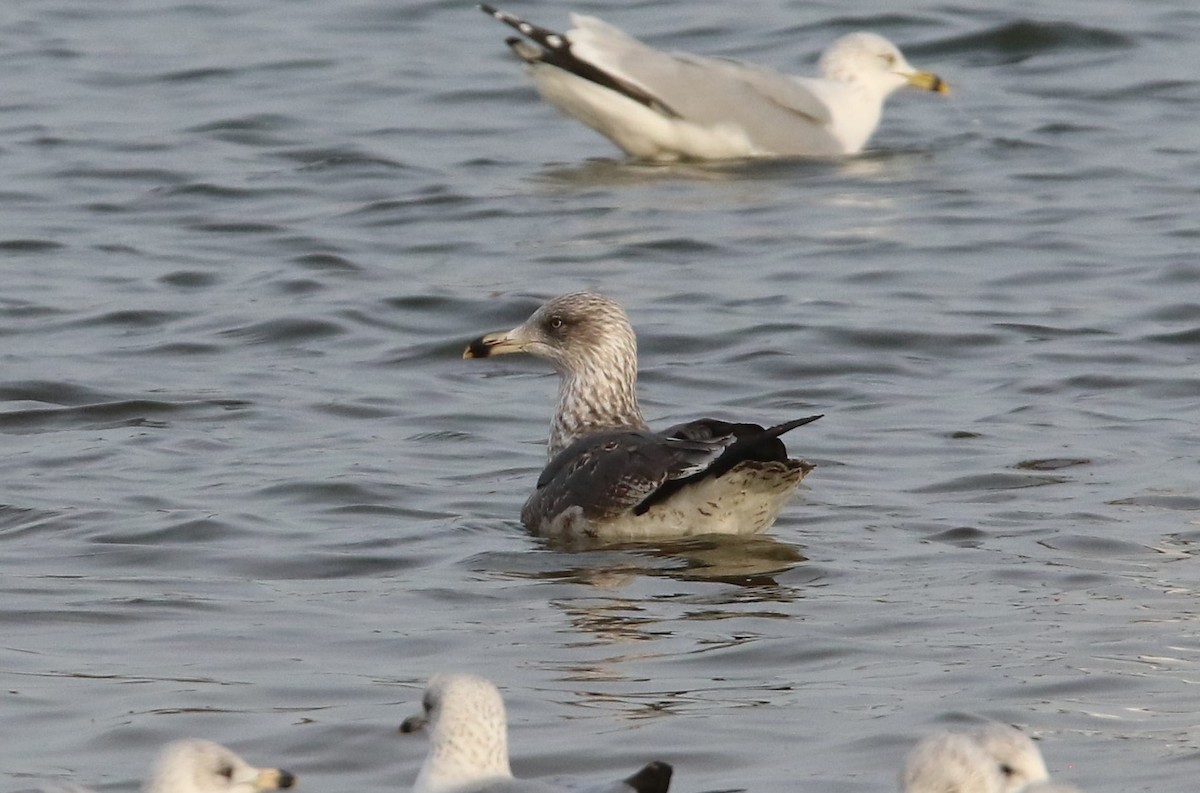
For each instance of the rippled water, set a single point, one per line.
(251, 492)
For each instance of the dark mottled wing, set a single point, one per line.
(749, 442)
(606, 474)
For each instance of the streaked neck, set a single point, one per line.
(591, 399)
(458, 762)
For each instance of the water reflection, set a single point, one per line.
(743, 561)
(602, 172)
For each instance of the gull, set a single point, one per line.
(1018, 757)
(675, 106)
(992, 758)
(609, 476)
(198, 766)
(950, 762)
(468, 748)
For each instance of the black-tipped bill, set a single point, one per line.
(412, 724)
(273, 779)
(928, 81)
(491, 344)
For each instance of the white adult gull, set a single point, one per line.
(675, 106)
(468, 748)
(609, 476)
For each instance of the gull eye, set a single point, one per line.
(555, 323)
(226, 771)
(1007, 770)
(889, 58)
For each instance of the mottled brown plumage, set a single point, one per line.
(609, 476)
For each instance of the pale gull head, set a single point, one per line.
(950, 762)
(872, 62)
(196, 766)
(589, 341)
(468, 734)
(1019, 759)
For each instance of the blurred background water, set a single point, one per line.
(251, 492)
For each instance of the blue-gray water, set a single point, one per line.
(252, 493)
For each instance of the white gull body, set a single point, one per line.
(468, 749)
(676, 106)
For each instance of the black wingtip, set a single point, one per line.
(653, 778)
(487, 9)
(788, 426)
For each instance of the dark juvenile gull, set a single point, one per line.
(609, 476)
(468, 748)
(676, 106)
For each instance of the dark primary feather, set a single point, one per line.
(750, 442)
(653, 778)
(556, 51)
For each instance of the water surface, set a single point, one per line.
(252, 492)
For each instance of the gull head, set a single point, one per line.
(574, 332)
(196, 766)
(870, 60)
(589, 341)
(464, 716)
(950, 762)
(1019, 759)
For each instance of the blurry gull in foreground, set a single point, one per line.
(993, 758)
(676, 106)
(198, 766)
(609, 476)
(468, 748)
(1018, 757)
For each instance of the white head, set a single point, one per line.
(949, 762)
(196, 766)
(1019, 759)
(468, 733)
(872, 62)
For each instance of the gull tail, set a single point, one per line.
(788, 426)
(544, 36)
(556, 51)
(653, 778)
